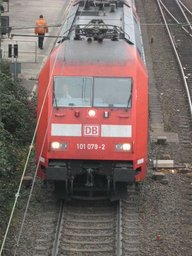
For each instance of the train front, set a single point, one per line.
(92, 137)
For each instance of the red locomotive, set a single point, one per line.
(93, 102)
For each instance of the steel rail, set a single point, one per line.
(96, 225)
(180, 7)
(119, 229)
(173, 17)
(185, 7)
(58, 230)
(159, 2)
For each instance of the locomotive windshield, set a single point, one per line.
(92, 92)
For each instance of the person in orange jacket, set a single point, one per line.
(40, 29)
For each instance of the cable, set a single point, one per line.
(24, 170)
(33, 183)
(44, 139)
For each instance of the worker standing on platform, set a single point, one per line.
(40, 29)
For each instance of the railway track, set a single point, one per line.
(169, 86)
(130, 224)
(177, 18)
(90, 228)
(170, 95)
(186, 214)
(46, 224)
(80, 228)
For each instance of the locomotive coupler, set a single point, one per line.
(66, 185)
(108, 183)
(72, 181)
(90, 178)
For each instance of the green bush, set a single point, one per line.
(17, 124)
(17, 113)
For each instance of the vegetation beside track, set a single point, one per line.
(16, 130)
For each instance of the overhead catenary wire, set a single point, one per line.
(142, 24)
(26, 164)
(183, 25)
(32, 27)
(59, 25)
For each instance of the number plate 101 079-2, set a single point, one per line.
(84, 146)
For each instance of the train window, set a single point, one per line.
(72, 91)
(112, 92)
(88, 91)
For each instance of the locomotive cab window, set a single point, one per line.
(72, 91)
(88, 91)
(112, 92)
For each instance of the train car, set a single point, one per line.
(93, 102)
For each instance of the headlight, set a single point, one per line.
(55, 145)
(91, 113)
(126, 146)
(123, 147)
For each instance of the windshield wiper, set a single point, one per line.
(129, 100)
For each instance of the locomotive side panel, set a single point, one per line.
(141, 123)
(43, 111)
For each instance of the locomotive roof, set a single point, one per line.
(108, 16)
(107, 52)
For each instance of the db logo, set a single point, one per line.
(91, 130)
